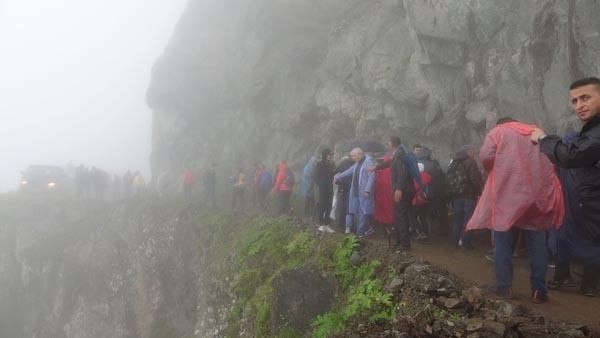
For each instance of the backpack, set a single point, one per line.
(266, 180)
(457, 181)
(289, 179)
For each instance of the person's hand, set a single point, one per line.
(334, 180)
(536, 133)
(371, 168)
(367, 194)
(397, 195)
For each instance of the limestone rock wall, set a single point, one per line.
(271, 79)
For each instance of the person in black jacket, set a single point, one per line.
(582, 155)
(437, 189)
(464, 198)
(323, 178)
(403, 178)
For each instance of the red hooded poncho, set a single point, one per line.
(280, 184)
(522, 189)
(419, 199)
(384, 202)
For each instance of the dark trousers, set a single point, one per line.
(187, 191)
(262, 198)
(562, 271)
(463, 210)
(402, 211)
(341, 209)
(238, 198)
(309, 205)
(422, 219)
(284, 202)
(504, 245)
(438, 209)
(591, 277)
(211, 196)
(324, 206)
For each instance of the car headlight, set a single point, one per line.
(24, 182)
(51, 185)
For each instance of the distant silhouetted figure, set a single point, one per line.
(210, 185)
(239, 188)
(189, 181)
(283, 186)
(139, 184)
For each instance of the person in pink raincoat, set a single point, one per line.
(522, 192)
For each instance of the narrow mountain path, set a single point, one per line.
(472, 266)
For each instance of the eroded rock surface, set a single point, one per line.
(274, 79)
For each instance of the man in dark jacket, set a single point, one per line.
(322, 176)
(583, 155)
(405, 172)
(437, 189)
(465, 183)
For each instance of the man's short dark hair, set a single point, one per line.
(504, 120)
(584, 82)
(395, 141)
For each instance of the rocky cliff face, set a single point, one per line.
(154, 268)
(274, 79)
(79, 269)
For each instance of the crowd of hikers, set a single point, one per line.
(526, 188)
(98, 184)
(523, 186)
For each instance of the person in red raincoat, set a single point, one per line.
(189, 181)
(522, 192)
(420, 208)
(283, 186)
(384, 204)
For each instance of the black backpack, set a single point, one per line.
(289, 179)
(457, 181)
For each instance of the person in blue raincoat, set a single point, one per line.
(307, 188)
(361, 202)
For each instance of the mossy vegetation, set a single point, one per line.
(259, 248)
(363, 296)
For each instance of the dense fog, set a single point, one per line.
(73, 80)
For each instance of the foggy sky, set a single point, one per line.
(73, 80)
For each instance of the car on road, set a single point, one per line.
(44, 178)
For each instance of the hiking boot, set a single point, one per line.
(321, 228)
(589, 291)
(556, 284)
(489, 257)
(348, 231)
(538, 297)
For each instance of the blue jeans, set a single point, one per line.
(504, 242)
(463, 210)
